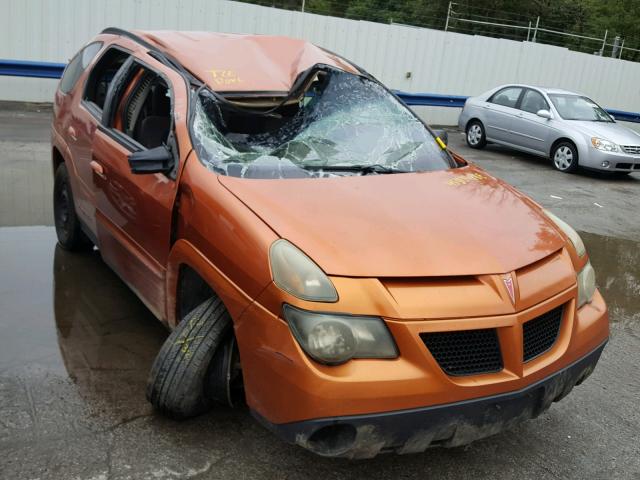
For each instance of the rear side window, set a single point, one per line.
(533, 102)
(77, 66)
(102, 74)
(507, 97)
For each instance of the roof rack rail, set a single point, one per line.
(156, 53)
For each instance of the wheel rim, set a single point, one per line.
(563, 158)
(62, 210)
(474, 134)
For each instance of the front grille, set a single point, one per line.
(632, 149)
(541, 333)
(466, 352)
(626, 166)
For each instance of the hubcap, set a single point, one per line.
(474, 134)
(563, 158)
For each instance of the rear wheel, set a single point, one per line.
(565, 157)
(68, 229)
(476, 137)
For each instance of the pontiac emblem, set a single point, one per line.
(508, 283)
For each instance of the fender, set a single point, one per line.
(58, 142)
(185, 253)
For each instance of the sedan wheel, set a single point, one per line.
(565, 157)
(475, 135)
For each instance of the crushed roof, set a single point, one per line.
(229, 62)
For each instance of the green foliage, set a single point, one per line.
(590, 18)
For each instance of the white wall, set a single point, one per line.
(439, 62)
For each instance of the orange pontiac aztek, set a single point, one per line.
(316, 249)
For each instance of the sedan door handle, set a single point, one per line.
(98, 169)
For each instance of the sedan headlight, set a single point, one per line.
(604, 145)
(578, 244)
(298, 275)
(333, 339)
(586, 284)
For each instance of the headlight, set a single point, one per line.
(298, 275)
(586, 284)
(569, 232)
(604, 145)
(334, 339)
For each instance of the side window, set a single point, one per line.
(507, 97)
(533, 101)
(77, 66)
(143, 113)
(100, 77)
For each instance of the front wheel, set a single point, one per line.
(476, 137)
(565, 157)
(183, 368)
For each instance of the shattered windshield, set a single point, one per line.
(343, 124)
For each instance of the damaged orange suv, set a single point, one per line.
(316, 250)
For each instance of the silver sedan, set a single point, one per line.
(570, 129)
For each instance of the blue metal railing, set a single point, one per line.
(432, 99)
(22, 68)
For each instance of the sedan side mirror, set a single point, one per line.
(544, 114)
(154, 160)
(444, 136)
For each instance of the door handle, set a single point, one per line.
(72, 133)
(97, 169)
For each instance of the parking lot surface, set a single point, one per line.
(76, 346)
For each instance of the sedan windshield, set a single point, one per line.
(574, 107)
(343, 124)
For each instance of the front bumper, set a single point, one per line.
(616, 161)
(449, 425)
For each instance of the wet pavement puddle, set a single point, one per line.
(73, 311)
(72, 315)
(617, 265)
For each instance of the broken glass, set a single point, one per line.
(341, 123)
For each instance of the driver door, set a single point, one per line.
(134, 211)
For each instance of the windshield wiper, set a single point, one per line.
(364, 169)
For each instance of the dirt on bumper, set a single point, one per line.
(449, 425)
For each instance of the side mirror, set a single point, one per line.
(154, 160)
(544, 114)
(444, 136)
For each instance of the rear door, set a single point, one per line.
(533, 132)
(501, 112)
(134, 212)
(82, 126)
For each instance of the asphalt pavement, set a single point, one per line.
(76, 346)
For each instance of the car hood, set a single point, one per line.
(444, 223)
(614, 132)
